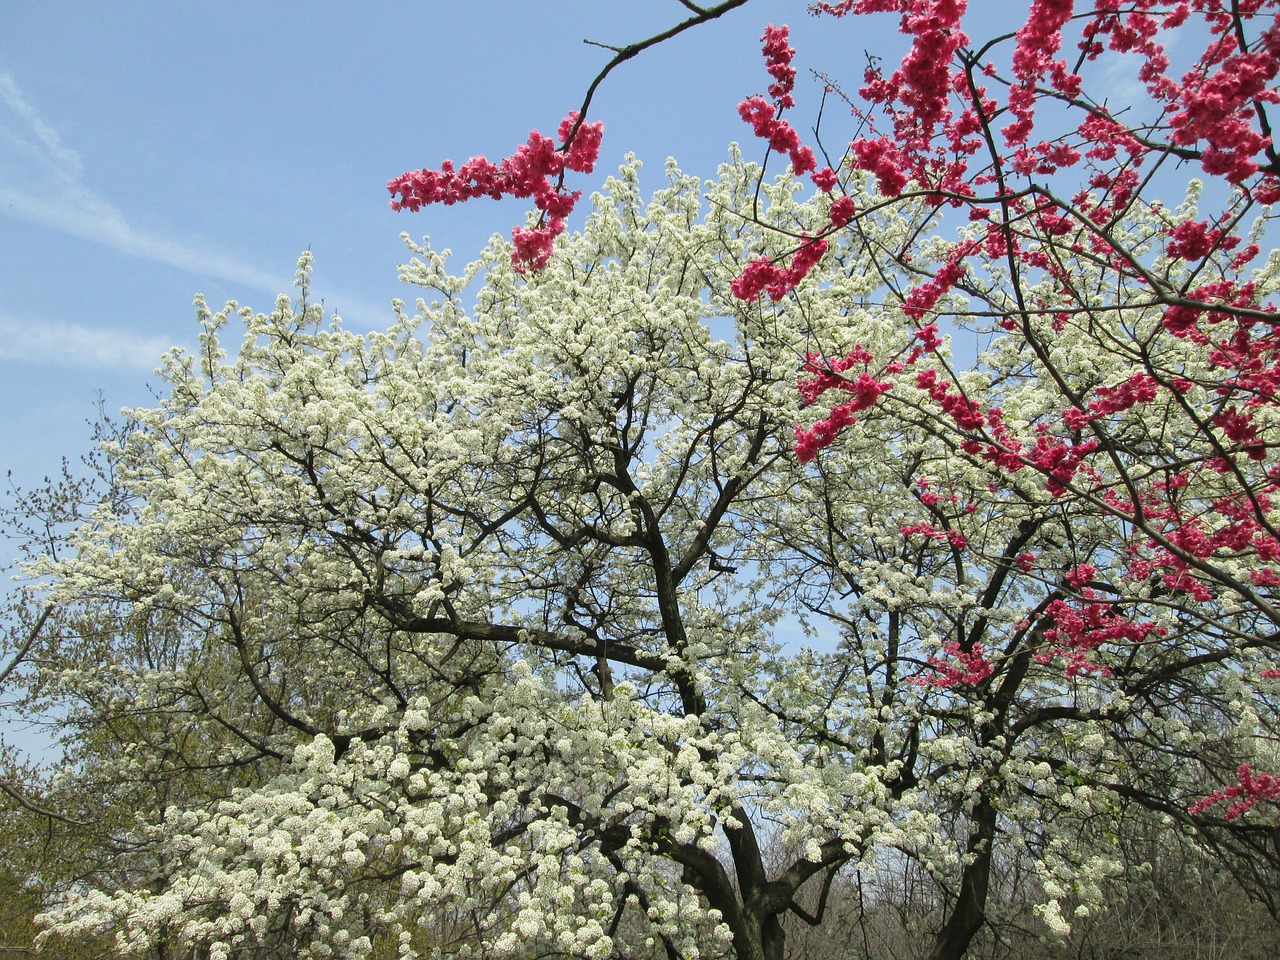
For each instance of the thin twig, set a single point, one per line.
(623, 54)
(26, 647)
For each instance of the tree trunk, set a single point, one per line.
(969, 911)
(764, 938)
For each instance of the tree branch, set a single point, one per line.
(623, 54)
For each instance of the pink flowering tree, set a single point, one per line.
(535, 170)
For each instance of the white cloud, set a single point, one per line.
(41, 181)
(64, 158)
(73, 344)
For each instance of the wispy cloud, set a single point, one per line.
(43, 182)
(65, 159)
(73, 344)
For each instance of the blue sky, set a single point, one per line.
(150, 151)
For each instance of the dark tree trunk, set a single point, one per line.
(969, 911)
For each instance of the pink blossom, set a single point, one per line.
(824, 179)
(964, 667)
(778, 53)
(842, 211)
(1081, 628)
(528, 172)
(1253, 788)
(883, 159)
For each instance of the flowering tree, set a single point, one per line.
(1167, 437)
(1131, 365)
(472, 636)
(429, 635)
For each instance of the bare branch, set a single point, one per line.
(623, 54)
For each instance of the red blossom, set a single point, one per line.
(925, 129)
(1264, 577)
(1037, 41)
(1081, 575)
(1252, 789)
(529, 172)
(1059, 460)
(1139, 388)
(959, 667)
(842, 211)
(1194, 240)
(926, 296)
(1219, 109)
(765, 117)
(864, 389)
(922, 529)
(1079, 628)
(928, 337)
(824, 179)
(777, 54)
(533, 248)
(882, 158)
(762, 274)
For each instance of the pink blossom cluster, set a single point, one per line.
(765, 118)
(940, 144)
(781, 136)
(535, 170)
(928, 495)
(950, 125)
(921, 86)
(883, 158)
(777, 57)
(927, 530)
(920, 301)
(864, 391)
(940, 114)
(1059, 459)
(1252, 789)
(1218, 100)
(965, 412)
(1190, 539)
(1081, 627)
(1196, 239)
(1139, 388)
(762, 274)
(1037, 41)
(1231, 525)
(959, 667)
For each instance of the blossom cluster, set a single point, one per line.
(1081, 627)
(831, 375)
(535, 170)
(959, 667)
(1252, 788)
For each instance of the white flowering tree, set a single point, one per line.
(519, 630)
